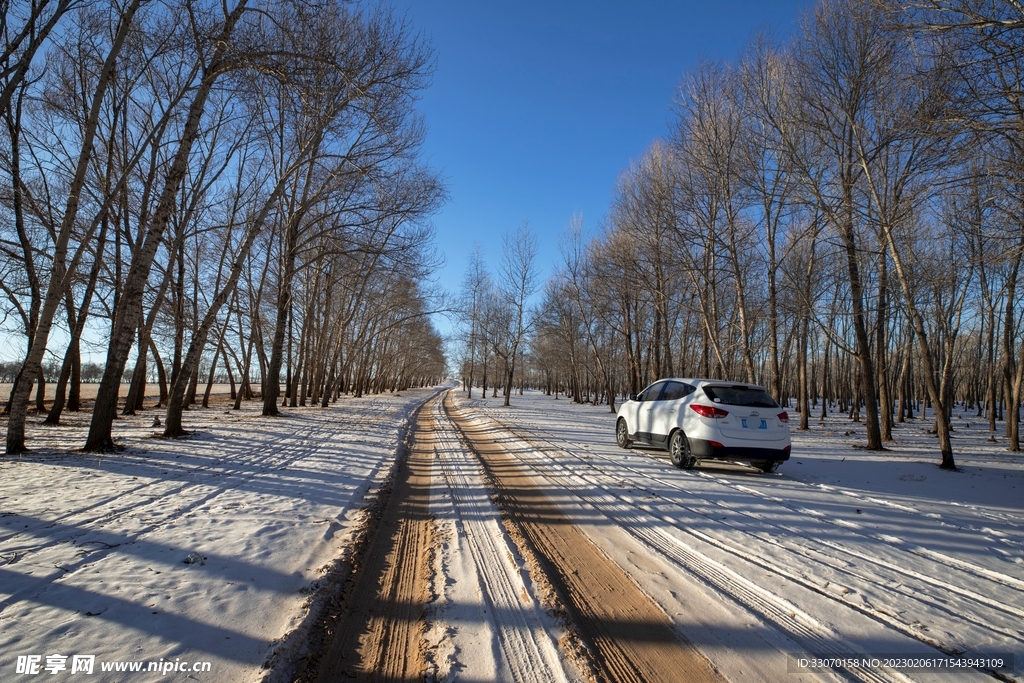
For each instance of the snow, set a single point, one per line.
(93, 548)
(842, 551)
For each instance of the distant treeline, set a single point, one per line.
(91, 372)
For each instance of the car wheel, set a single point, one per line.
(622, 434)
(766, 466)
(679, 451)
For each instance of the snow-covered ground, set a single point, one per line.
(93, 549)
(842, 552)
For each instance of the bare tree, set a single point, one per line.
(63, 269)
(210, 66)
(644, 208)
(475, 284)
(899, 150)
(768, 170)
(24, 31)
(518, 282)
(385, 65)
(842, 47)
(575, 290)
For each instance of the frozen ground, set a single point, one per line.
(840, 552)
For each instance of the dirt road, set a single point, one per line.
(468, 558)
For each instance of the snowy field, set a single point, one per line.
(842, 552)
(93, 549)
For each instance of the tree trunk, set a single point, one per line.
(53, 418)
(882, 377)
(213, 372)
(137, 390)
(227, 368)
(272, 381)
(161, 374)
(803, 400)
(860, 328)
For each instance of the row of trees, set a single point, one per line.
(838, 217)
(88, 372)
(496, 315)
(209, 183)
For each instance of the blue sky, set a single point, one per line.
(536, 107)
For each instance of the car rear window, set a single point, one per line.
(739, 395)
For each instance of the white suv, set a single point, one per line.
(704, 419)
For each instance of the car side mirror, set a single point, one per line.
(632, 397)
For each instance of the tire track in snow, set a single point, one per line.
(630, 635)
(951, 562)
(795, 622)
(699, 562)
(527, 652)
(850, 569)
(870, 578)
(993, 536)
(1005, 630)
(811, 554)
(378, 635)
(985, 514)
(946, 561)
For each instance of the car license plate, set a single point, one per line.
(754, 424)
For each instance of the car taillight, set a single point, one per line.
(784, 416)
(708, 411)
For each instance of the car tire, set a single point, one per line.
(767, 466)
(679, 451)
(622, 434)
